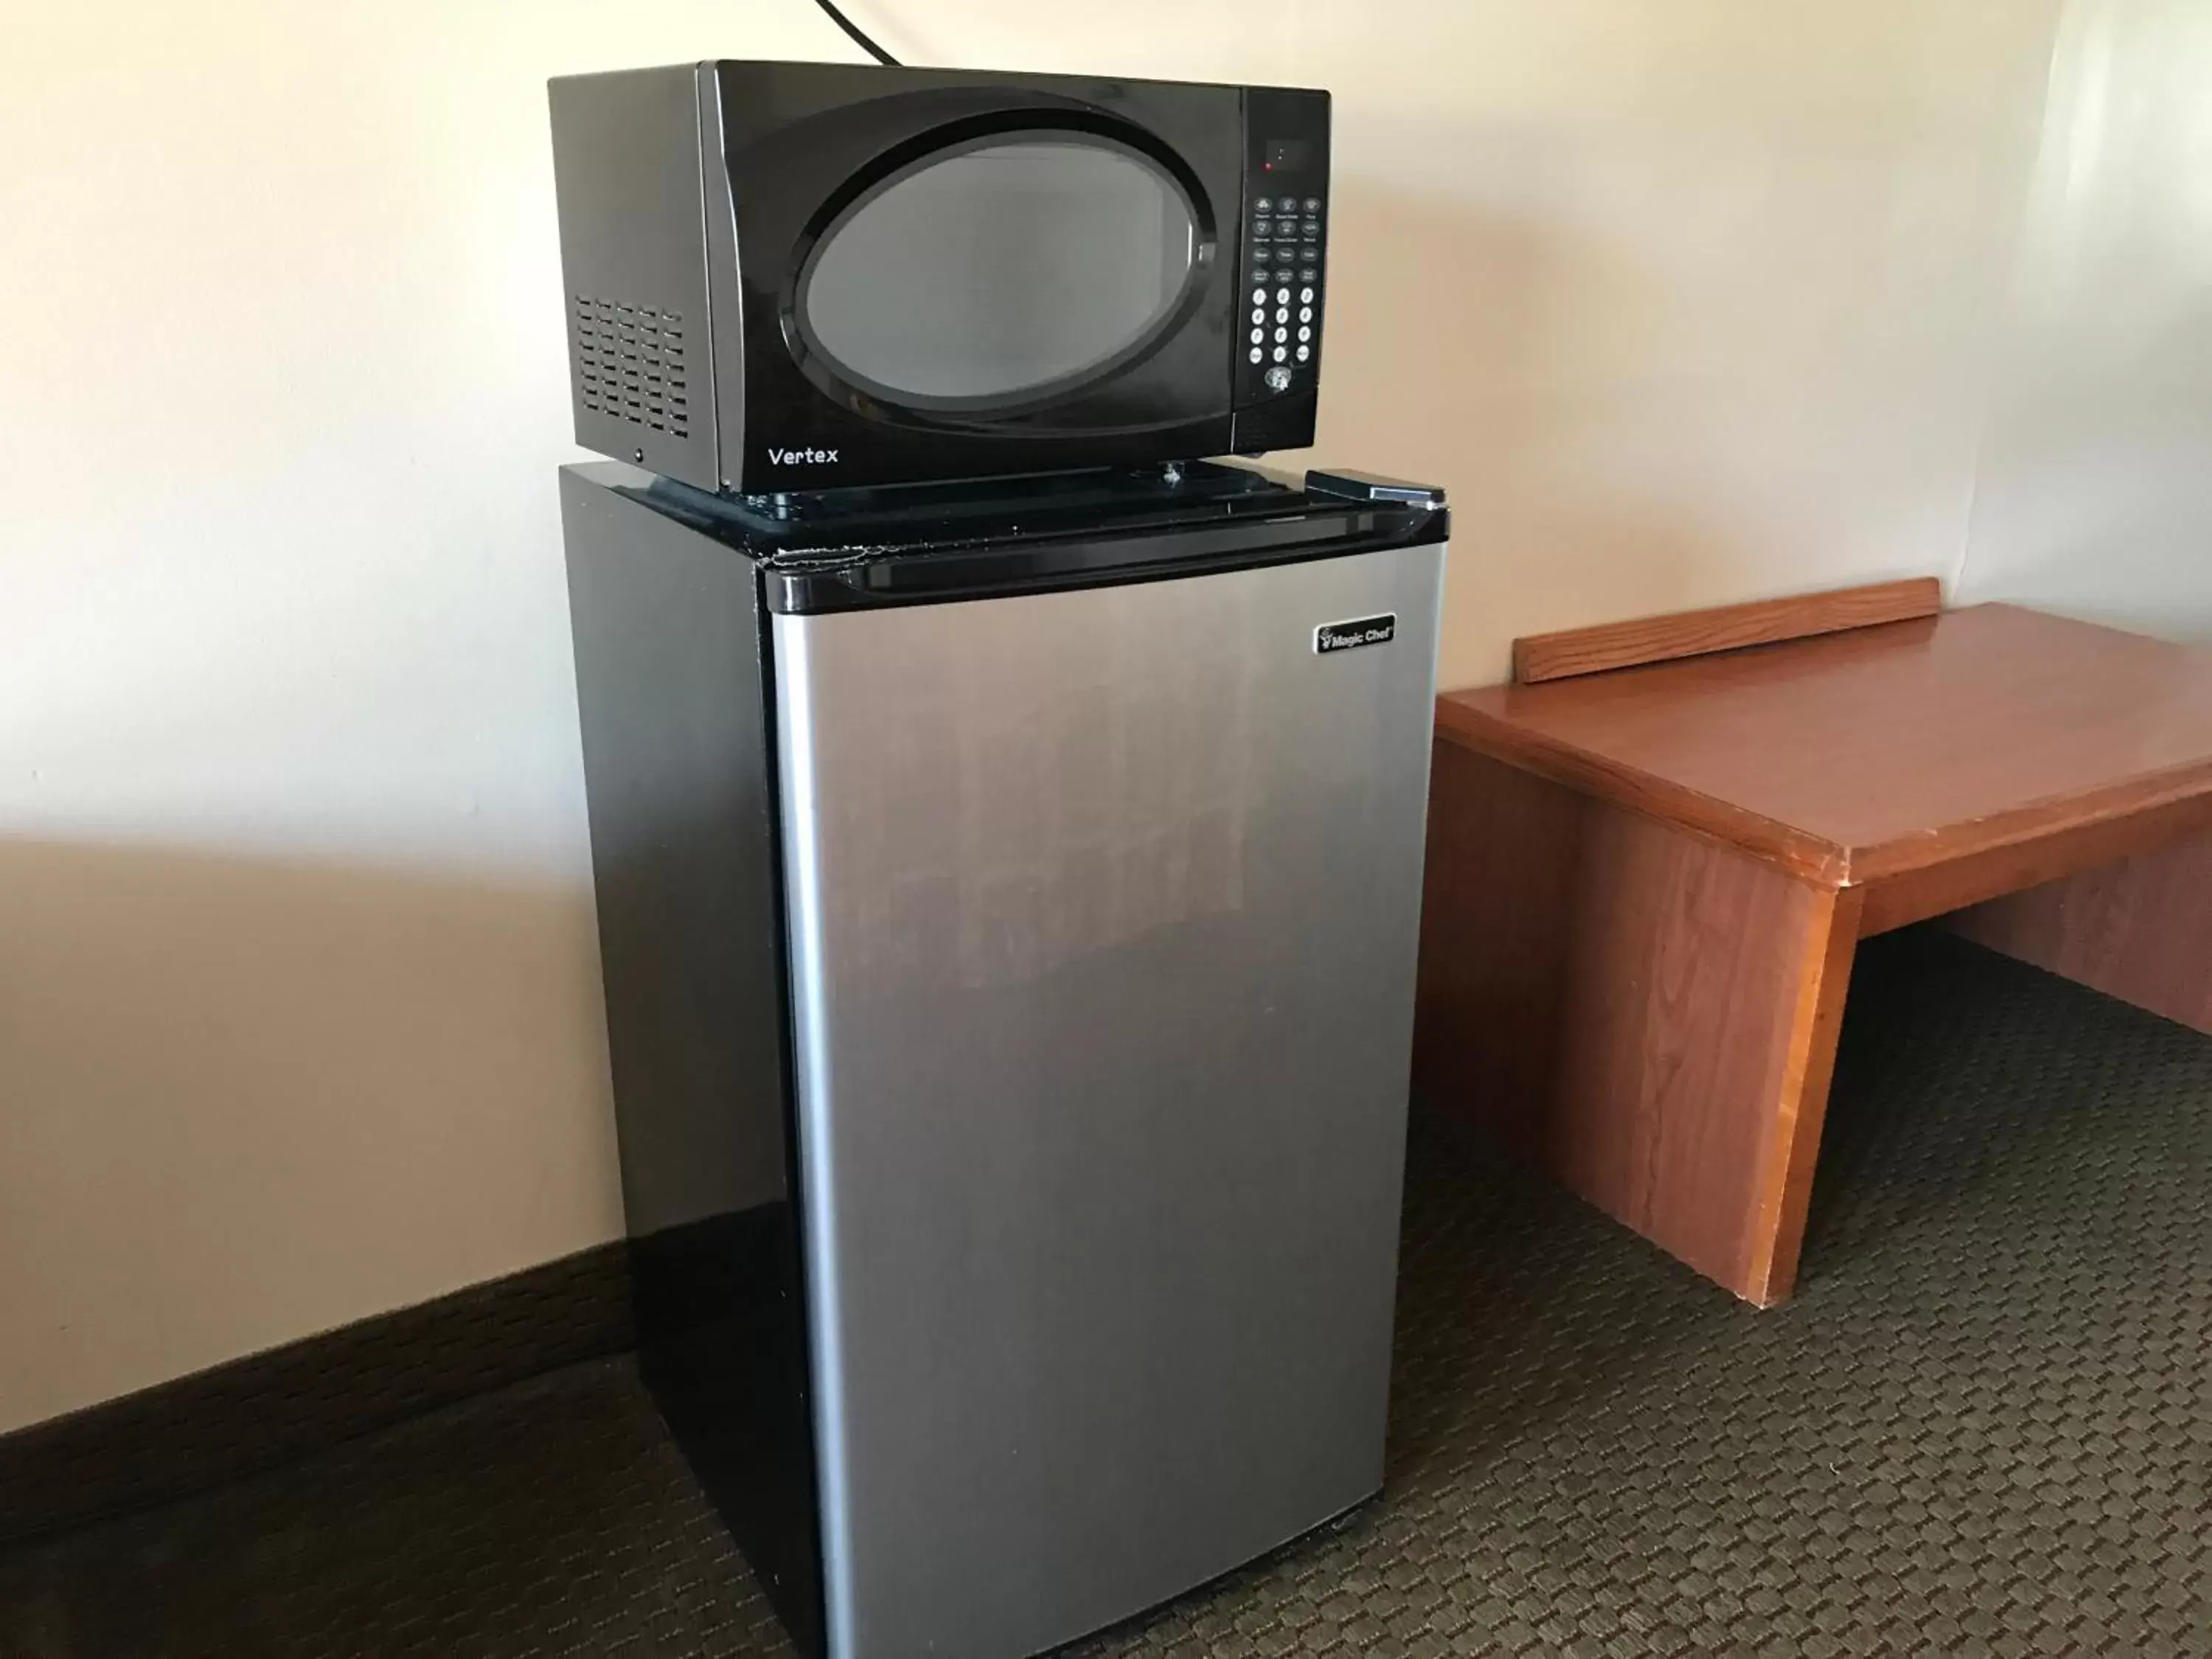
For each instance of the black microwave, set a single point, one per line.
(799, 276)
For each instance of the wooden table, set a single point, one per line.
(1645, 888)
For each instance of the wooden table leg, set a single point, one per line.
(1648, 1015)
(2140, 930)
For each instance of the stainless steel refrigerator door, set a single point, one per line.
(1102, 912)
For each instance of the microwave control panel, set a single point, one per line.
(1285, 243)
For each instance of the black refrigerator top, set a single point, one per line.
(858, 550)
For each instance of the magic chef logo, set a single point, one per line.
(801, 457)
(1350, 635)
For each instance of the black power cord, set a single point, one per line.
(853, 29)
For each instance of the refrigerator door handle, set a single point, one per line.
(1373, 487)
(814, 587)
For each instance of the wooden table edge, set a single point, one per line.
(1810, 858)
(2049, 816)
(1813, 858)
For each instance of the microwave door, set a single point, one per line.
(964, 275)
(996, 273)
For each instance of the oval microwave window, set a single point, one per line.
(992, 272)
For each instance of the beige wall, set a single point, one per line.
(1685, 301)
(2096, 483)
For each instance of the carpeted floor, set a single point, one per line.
(1983, 1427)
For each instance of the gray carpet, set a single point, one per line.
(1983, 1427)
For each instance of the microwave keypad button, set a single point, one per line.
(1305, 334)
(1257, 335)
(1259, 314)
(1305, 352)
(1305, 296)
(1282, 296)
(1264, 205)
(1266, 227)
(1305, 314)
(1281, 335)
(1257, 354)
(1281, 352)
(1258, 297)
(1313, 205)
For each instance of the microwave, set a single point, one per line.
(801, 276)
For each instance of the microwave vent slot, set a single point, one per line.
(629, 364)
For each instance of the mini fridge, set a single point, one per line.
(1007, 904)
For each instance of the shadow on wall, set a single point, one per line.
(247, 1099)
(1464, 374)
(1623, 435)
